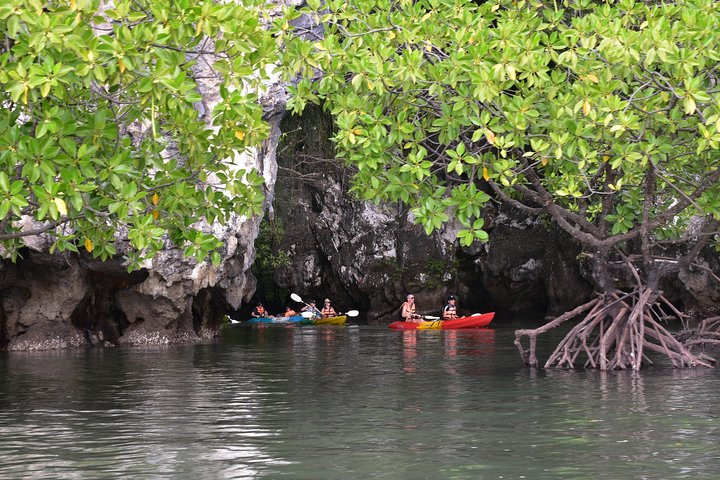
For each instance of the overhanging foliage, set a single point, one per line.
(100, 137)
(567, 106)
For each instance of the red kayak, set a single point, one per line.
(473, 321)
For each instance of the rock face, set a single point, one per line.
(370, 257)
(54, 301)
(36, 297)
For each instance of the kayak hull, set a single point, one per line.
(297, 319)
(472, 321)
(338, 320)
(275, 320)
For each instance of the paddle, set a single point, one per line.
(297, 298)
(306, 314)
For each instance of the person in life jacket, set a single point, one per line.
(407, 310)
(328, 310)
(310, 307)
(449, 311)
(259, 311)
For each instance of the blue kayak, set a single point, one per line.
(274, 320)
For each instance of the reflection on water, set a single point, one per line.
(409, 350)
(348, 402)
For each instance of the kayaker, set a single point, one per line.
(328, 310)
(449, 311)
(259, 311)
(407, 310)
(289, 312)
(310, 307)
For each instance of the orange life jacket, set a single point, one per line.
(412, 310)
(450, 311)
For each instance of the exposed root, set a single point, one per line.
(614, 334)
(707, 335)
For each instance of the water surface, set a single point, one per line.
(348, 403)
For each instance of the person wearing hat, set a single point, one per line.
(311, 307)
(259, 311)
(328, 310)
(407, 310)
(449, 311)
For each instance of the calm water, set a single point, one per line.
(348, 403)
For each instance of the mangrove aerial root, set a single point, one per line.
(616, 331)
(706, 335)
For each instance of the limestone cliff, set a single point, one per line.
(54, 301)
(370, 256)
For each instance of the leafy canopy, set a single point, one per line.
(604, 114)
(100, 139)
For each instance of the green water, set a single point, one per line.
(348, 403)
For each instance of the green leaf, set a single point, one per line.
(4, 182)
(4, 209)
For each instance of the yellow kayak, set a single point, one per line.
(339, 320)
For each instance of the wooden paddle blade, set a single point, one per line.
(296, 297)
(352, 313)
